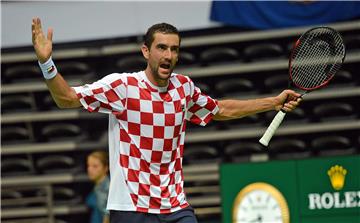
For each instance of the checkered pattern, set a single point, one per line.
(152, 132)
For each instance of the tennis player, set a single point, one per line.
(148, 111)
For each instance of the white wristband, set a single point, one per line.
(48, 69)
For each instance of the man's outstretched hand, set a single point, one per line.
(42, 44)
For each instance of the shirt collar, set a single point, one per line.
(159, 89)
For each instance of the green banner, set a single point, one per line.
(234, 177)
(329, 188)
(306, 191)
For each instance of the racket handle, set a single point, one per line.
(265, 139)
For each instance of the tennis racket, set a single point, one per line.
(315, 58)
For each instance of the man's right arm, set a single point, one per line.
(63, 95)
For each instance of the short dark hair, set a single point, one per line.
(164, 28)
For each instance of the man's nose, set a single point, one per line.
(167, 54)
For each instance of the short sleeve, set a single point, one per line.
(201, 108)
(108, 95)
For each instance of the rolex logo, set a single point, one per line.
(337, 176)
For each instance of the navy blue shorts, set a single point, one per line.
(185, 215)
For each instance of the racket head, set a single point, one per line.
(315, 58)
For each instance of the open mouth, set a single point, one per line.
(165, 66)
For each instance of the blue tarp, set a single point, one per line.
(278, 14)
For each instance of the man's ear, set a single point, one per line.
(145, 51)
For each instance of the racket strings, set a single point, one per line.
(316, 58)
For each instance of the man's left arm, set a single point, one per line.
(287, 100)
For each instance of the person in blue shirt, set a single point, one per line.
(97, 170)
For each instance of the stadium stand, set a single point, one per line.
(54, 140)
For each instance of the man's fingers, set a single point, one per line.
(38, 22)
(37, 33)
(50, 34)
(291, 105)
(37, 26)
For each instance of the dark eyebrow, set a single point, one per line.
(162, 45)
(175, 47)
(166, 46)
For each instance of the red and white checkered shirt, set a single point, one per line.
(146, 137)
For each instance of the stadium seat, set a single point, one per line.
(23, 73)
(75, 70)
(352, 43)
(333, 145)
(10, 194)
(342, 78)
(63, 131)
(296, 116)
(48, 103)
(235, 87)
(57, 164)
(334, 110)
(15, 134)
(276, 83)
(17, 103)
(16, 166)
(205, 88)
(289, 148)
(186, 59)
(211, 126)
(245, 122)
(64, 196)
(263, 51)
(131, 64)
(217, 55)
(244, 152)
(200, 154)
(23, 196)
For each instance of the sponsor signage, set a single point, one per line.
(307, 191)
(329, 187)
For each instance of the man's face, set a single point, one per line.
(162, 57)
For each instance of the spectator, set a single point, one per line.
(97, 170)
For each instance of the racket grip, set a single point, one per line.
(274, 125)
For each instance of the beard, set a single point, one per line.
(161, 76)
